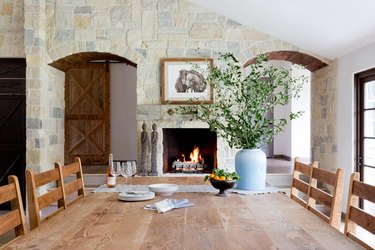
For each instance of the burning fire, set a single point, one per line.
(194, 155)
(195, 164)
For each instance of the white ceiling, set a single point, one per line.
(330, 28)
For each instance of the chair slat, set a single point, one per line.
(298, 185)
(15, 219)
(321, 196)
(46, 177)
(324, 176)
(359, 241)
(7, 193)
(363, 219)
(301, 185)
(357, 216)
(73, 186)
(332, 201)
(9, 221)
(50, 197)
(303, 168)
(37, 203)
(70, 169)
(364, 190)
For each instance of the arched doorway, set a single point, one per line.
(295, 140)
(96, 91)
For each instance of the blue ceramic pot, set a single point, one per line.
(251, 166)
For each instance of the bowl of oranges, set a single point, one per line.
(223, 180)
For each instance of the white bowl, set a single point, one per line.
(163, 189)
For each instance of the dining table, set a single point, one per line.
(262, 221)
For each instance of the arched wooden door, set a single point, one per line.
(87, 113)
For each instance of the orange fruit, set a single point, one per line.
(212, 176)
(222, 178)
(216, 178)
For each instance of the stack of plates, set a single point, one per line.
(136, 196)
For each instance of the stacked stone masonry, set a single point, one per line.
(142, 31)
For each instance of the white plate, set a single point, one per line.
(136, 196)
(163, 189)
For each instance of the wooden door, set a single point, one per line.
(87, 114)
(12, 122)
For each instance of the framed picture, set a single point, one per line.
(183, 80)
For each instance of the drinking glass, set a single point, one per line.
(128, 169)
(134, 167)
(124, 172)
(115, 169)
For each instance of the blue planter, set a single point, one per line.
(251, 166)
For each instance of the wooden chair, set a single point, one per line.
(299, 186)
(356, 216)
(76, 185)
(331, 201)
(15, 219)
(36, 203)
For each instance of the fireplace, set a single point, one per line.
(189, 150)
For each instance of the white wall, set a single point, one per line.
(123, 111)
(282, 144)
(301, 127)
(350, 64)
(295, 139)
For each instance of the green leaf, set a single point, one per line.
(243, 101)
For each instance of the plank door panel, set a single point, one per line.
(13, 122)
(87, 114)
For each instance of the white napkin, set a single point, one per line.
(168, 204)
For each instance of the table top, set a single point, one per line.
(268, 221)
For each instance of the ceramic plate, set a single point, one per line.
(163, 189)
(136, 196)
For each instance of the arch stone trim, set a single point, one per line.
(68, 62)
(310, 62)
(69, 48)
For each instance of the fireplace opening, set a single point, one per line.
(189, 150)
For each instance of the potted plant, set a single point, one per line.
(239, 111)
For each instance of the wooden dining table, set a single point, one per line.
(264, 221)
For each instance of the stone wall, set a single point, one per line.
(324, 90)
(44, 96)
(11, 28)
(146, 31)
(143, 31)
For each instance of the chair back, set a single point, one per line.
(331, 201)
(36, 202)
(300, 186)
(356, 216)
(77, 185)
(15, 219)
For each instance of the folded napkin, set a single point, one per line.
(168, 204)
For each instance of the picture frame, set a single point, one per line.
(183, 80)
